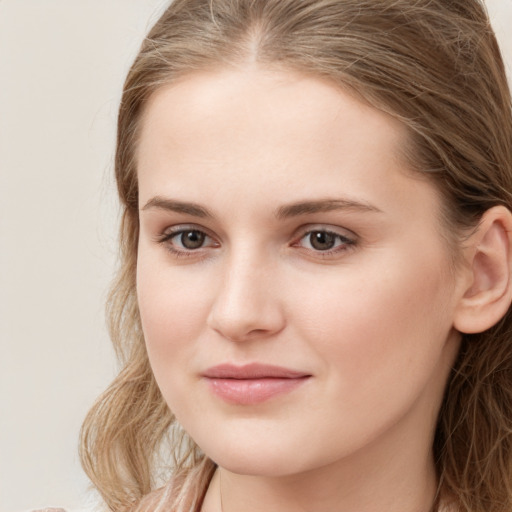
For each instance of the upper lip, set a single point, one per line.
(252, 371)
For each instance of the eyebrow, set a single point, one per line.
(323, 205)
(163, 203)
(283, 212)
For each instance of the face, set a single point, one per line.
(295, 290)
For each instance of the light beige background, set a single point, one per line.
(62, 64)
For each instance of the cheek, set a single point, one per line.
(173, 312)
(173, 315)
(379, 324)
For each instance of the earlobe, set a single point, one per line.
(487, 292)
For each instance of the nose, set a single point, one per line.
(247, 304)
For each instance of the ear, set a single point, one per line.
(487, 292)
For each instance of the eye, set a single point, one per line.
(191, 239)
(321, 240)
(325, 241)
(183, 240)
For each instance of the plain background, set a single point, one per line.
(62, 64)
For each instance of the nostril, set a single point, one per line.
(244, 325)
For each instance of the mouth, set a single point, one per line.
(253, 383)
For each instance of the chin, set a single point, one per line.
(264, 455)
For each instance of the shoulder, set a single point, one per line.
(49, 509)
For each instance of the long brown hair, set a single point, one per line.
(433, 64)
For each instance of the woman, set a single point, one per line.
(313, 306)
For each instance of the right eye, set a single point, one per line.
(182, 240)
(190, 239)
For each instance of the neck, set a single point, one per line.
(308, 494)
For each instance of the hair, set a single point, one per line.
(434, 65)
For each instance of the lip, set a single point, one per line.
(252, 383)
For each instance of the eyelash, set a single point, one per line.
(166, 239)
(344, 243)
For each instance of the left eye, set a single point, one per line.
(321, 240)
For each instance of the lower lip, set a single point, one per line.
(252, 391)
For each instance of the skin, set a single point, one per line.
(372, 321)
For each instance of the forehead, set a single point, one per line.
(260, 108)
(261, 138)
(263, 107)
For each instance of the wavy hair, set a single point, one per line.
(432, 64)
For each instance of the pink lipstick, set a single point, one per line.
(252, 383)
